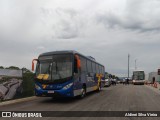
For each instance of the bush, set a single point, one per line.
(28, 84)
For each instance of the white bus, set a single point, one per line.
(138, 77)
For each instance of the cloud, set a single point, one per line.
(41, 47)
(141, 16)
(67, 24)
(107, 30)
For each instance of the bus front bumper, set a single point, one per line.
(138, 82)
(54, 93)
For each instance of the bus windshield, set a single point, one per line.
(138, 75)
(59, 67)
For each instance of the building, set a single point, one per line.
(153, 75)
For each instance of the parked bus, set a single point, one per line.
(67, 74)
(138, 77)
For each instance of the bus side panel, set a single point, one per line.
(90, 83)
(77, 85)
(84, 79)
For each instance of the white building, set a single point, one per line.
(154, 75)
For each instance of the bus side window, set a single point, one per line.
(89, 67)
(100, 69)
(97, 70)
(83, 65)
(94, 68)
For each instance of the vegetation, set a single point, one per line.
(28, 84)
(1, 67)
(108, 75)
(13, 68)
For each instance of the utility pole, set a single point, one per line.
(128, 64)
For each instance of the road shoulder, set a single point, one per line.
(153, 89)
(17, 100)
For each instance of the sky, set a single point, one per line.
(107, 30)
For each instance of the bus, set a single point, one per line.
(138, 77)
(67, 74)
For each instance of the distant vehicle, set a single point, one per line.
(107, 82)
(118, 81)
(121, 80)
(124, 81)
(67, 74)
(114, 81)
(138, 77)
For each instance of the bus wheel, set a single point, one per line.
(83, 92)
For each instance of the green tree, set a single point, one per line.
(1, 67)
(25, 70)
(13, 68)
(28, 84)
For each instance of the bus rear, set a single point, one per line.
(138, 77)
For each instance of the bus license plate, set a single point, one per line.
(50, 91)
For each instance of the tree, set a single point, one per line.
(1, 67)
(13, 68)
(28, 84)
(25, 70)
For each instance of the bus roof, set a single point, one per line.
(68, 52)
(58, 52)
(138, 71)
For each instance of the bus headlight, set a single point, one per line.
(37, 87)
(67, 86)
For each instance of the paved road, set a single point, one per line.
(114, 98)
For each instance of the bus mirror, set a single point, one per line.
(78, 61)
(33, 63)
(78, 64)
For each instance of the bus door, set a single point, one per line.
(77, 73)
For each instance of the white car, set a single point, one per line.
(107, 82)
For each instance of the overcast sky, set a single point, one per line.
(106, 29)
